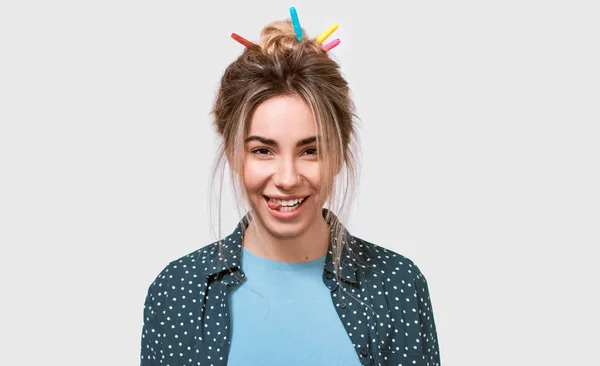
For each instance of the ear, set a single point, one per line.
(230, 160)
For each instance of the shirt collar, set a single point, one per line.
(231, 252)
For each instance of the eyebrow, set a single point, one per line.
(274, 143)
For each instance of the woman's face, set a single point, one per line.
(281, 169)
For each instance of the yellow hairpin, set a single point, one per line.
(323, 36)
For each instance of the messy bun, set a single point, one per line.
(279, 36)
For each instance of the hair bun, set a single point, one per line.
(279, 36)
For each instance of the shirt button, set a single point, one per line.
(364, 352)
(328, 276)
(342, 305)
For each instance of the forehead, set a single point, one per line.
(283, 118)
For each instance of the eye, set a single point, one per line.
(311, 151)
(261, 152)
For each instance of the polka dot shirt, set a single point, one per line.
(382, 300)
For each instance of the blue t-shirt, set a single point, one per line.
(283, 315)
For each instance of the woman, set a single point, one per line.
(290, 285)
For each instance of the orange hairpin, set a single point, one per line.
(241, 39)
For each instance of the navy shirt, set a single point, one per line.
(382, 301)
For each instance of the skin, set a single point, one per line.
(281, 161)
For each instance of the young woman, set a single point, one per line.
(290, 285)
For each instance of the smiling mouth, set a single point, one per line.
(284, 205)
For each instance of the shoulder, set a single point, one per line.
(396, 274)
(384, 261)
(188, 269)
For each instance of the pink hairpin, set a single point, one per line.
(331, 44)
(241, 39)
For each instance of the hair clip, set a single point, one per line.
(296, 22)
(331, 45)
(241, 39)
(298, 30)
(323, 36)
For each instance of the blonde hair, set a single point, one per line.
(281, 65)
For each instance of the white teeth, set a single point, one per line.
(287, 203)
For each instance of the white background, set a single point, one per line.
(480, 160)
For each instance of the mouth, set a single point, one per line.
(285, 206)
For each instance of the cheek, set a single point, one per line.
(254, 176)
(313, 176)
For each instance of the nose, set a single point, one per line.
(287, 176)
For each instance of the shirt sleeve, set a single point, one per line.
(151, 351)
(428, 332)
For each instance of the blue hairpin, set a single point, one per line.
(296, 22)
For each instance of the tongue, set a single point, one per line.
(272, 205)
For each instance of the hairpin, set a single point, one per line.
(241, 39)
(323, 36)
(331, 44)
(296, 22)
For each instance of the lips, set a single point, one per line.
(285, 205)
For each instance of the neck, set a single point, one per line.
(310, 245)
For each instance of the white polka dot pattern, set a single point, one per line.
(382, 301)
